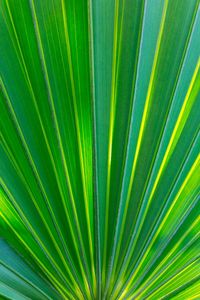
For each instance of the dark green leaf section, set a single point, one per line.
(99, 149)
(18, 276)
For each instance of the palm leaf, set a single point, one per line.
(100, 149)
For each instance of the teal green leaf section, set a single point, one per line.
(17, 276)
(99, 149)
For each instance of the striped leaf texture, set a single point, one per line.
(99, 152)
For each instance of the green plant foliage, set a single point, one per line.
(99, 153)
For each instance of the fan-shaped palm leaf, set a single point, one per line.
(100, 142)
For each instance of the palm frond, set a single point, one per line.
(99, 153)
